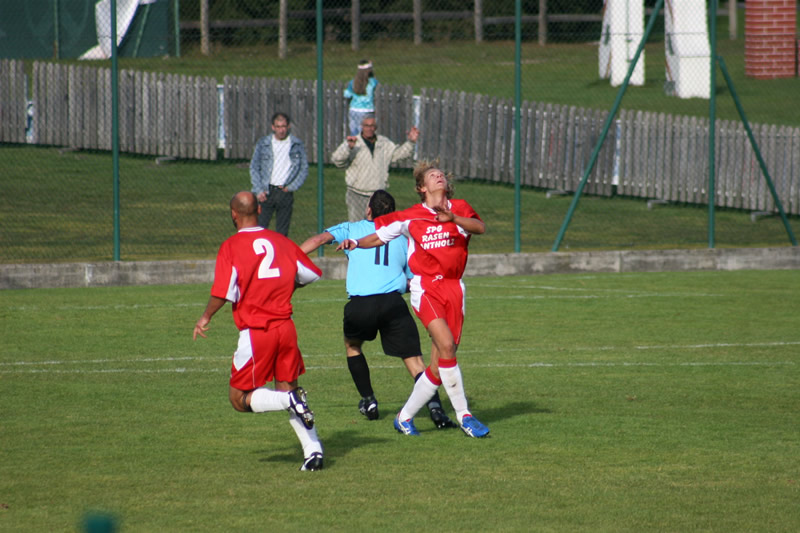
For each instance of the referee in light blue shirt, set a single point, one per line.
(376, 279)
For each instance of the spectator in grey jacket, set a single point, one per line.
(278, 168)
(366, 158)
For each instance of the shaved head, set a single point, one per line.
(244, 210)
(245, 204)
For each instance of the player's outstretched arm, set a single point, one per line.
(370, 241)
(312, 243)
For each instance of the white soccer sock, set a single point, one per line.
(264, 399)
(308, 437)
(424, 389)
(454, 386)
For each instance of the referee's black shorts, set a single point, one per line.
(365, 316)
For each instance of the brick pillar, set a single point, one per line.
(770, 36)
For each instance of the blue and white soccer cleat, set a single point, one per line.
(406, 427)
(472, 427)
(312, 462)
(298, 405)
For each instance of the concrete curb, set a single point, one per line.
(108, 274)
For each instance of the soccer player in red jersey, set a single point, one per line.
(438, 230)
(258, 270)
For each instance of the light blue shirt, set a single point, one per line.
(371, 271)
(362, 102)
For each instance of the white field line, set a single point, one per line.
(36, 367)
(183, 370)
(587, 293)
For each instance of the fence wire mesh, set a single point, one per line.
(200, 81)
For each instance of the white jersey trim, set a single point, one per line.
(233, 294)
(244, 350)
(305, 275)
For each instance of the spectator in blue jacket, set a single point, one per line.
(278, 168)
(361, 93)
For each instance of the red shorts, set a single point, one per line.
(264, 355)
(434, 298)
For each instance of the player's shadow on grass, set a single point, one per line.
(336, 445)
(502, 412)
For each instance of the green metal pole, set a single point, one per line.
(115, 125)
(607, 125)
(176, 6)
(320, 130)
(712, 133)
(142, 27)
(754, 144)
(517, 121)
(56, 37)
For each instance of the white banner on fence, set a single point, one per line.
(687, 49)
(623, 29)
(126, 10)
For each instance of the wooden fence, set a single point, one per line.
(647, 155)
(666, 157)
(13, 101)
(250, 103)
(159, 114)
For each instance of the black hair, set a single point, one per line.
(381, 203)
(280, 114)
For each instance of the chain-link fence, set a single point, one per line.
(200, 81)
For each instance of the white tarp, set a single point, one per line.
(687, 49)
(126, 10)
(623, 29)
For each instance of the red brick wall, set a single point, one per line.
(770, 39)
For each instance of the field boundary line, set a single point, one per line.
(125, 273)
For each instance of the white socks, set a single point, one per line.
(454, 387)
(264, 399)
(307, 437)
(424, 389)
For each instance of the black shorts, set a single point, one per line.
(365, 316)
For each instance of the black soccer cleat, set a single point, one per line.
(298, 405)
(441, 419)
(369, 407)
(312, 462)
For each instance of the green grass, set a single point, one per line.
(617, 402)
(179, 211)
(565, 74)
(60, 207)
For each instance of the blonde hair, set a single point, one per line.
(423, 167)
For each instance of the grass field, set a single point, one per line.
(558, 73)
(179, 211)
(58, 207)
(627, 402)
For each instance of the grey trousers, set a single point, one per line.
(281, 203)
(356, 205)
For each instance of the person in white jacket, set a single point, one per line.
(366, 158)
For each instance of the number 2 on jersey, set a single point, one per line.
(265, 268)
